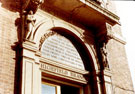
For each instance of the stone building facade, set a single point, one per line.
(62, 47)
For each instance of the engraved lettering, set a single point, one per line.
(60, 49)
(61, 71)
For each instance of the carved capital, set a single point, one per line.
(105, 34)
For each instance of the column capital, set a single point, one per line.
(105, 34)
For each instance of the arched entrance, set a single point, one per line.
(57, 60)
(65, 57)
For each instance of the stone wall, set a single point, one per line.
(121, 78)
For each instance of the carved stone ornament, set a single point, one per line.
(104, 56)
(31, 5)
(44, 37)
(103, 40)
(107, 35)
(29, 8)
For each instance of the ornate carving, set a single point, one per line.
(104, 56)
(105, 34)
(103, 38)
(29, 8)
(29, 24)
(31, 5)
(45, 36)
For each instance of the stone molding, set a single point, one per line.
(106, 34)
(103, 11)
(29, 45)
(119, 39)
(50, 67)
(60, 72)
(45, 36)
(61, 65)
(111, 35)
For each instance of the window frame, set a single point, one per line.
(57, 87)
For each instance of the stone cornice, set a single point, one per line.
(103, 11)
(29, 46)
(67, 67)
(62, 73)
(119, 39)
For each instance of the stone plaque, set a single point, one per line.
(60, 49)
(61, 71)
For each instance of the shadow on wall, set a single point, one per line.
(12, 5)
(15, 6)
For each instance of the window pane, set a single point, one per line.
(46, 89)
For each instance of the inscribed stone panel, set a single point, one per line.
(60, 49)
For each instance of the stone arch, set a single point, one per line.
(75, 36)
(48, 24)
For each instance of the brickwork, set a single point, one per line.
(121, 79)
(8, 36)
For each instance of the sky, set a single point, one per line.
(126, 12)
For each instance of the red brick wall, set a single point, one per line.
(8, 36)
